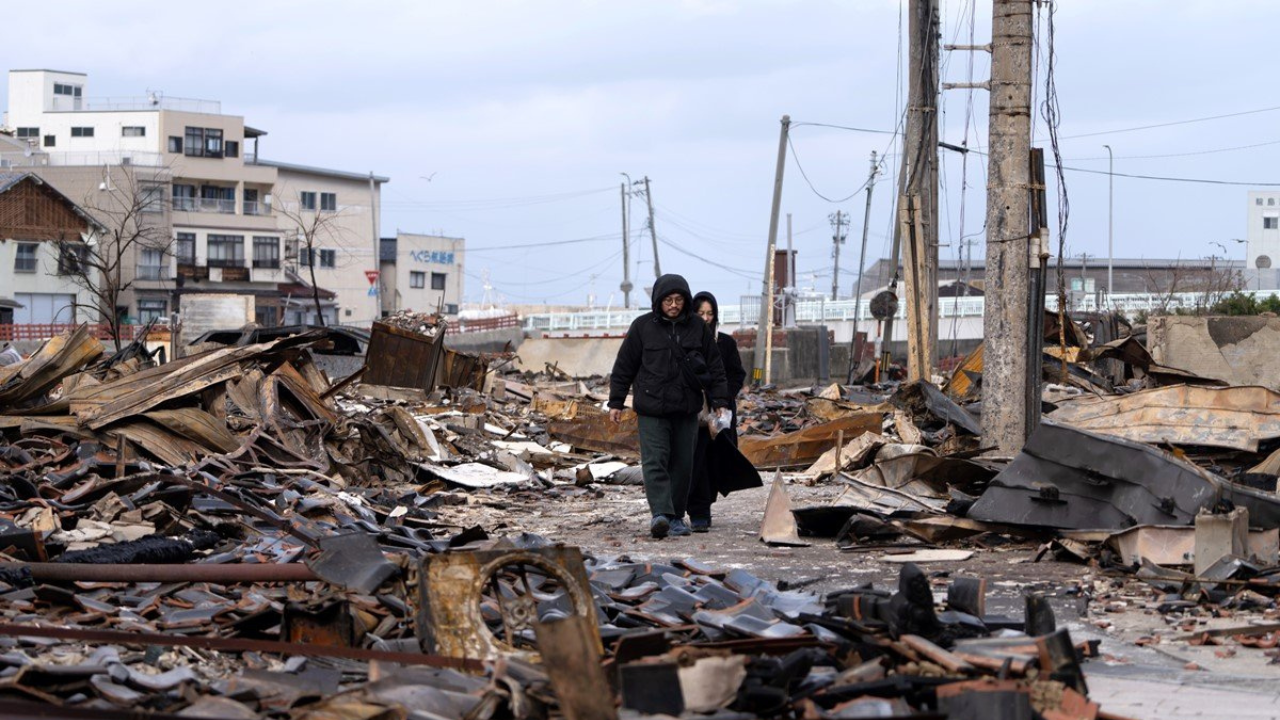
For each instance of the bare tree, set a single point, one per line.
(130, 214)
(1207, 285)
(316, 229)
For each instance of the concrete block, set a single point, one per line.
(1219, 536)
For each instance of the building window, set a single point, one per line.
(264, 316)
(329, 201)
(152, 265)
(184, 197)
(226, 250)
(50, 140)
(417, 279)
(151, 198)
(133, 131)
(218, 199)
(232, 148)
(451, 308)
(25, 261)
(327, 258)
(266, 252)
(186, 248)
(151, 309)
(307, 199)
(1270, 223)
(29, 132)
(1257, 201)
(202, 142)
(175, 144)
(71, 258)
(1271, 201)
(437, 281)
(81, 132)
(68, 90)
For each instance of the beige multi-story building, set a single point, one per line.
(423, 273)
(239, 223)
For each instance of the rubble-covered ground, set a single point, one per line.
(237, 534)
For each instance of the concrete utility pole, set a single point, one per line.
(838, 221)
(764, 335)
(918, 194)
(653, 233)
(788, 292)
(1111, 219)
(626, 254)
(374, 206)
(855, 343)
(1004, 374)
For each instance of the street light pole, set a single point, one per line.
(1111, 225)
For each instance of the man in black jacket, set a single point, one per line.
(670, 362)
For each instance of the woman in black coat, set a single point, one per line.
(702, 493)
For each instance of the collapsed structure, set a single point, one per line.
(237, 534)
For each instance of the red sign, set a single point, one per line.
(372, 275)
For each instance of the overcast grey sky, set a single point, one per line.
(525, 113)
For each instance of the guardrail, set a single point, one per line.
(818, 311)
(484, 324)
(44, 331)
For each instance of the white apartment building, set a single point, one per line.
(423, 273)
(239, 223)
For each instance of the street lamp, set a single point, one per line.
(1111, 200)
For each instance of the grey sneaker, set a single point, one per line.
(678, 528)
(659, 526)
(700, 524)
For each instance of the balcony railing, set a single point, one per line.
(218, 205)
(154, 101)
(153, 272)
(184, 204)
(75, 159)
(256, 208)
(226, 263)
(267, 264)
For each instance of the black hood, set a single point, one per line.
(667, 284)
(715, 306)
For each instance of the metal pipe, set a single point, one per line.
(221, 573)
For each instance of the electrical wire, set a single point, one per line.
(682, 250)
(551, 243)
(842, 127)
(1171, 124)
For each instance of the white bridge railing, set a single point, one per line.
(825, 311)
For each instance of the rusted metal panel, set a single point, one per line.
(1238, 417)
(595, 432)
(400, 358)
(802, 447)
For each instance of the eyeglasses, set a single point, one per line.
(677, 300)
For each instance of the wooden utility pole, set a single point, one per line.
(917, 224)
(855, 342)
(1009, 231)
(764, 333)
(626, 254)
(653, 232)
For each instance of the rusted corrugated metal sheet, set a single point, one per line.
(1237, 417)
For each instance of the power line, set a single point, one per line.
(736, 271)
(597, 238)
(843, 127)
(1185, 154)
(1171, 124)
(796, 157)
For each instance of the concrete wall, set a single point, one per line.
(1239, 350)
(202, 313)
(580, 357)
(487, 341)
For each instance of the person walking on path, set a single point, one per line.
(702, 492)
(670, 364)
